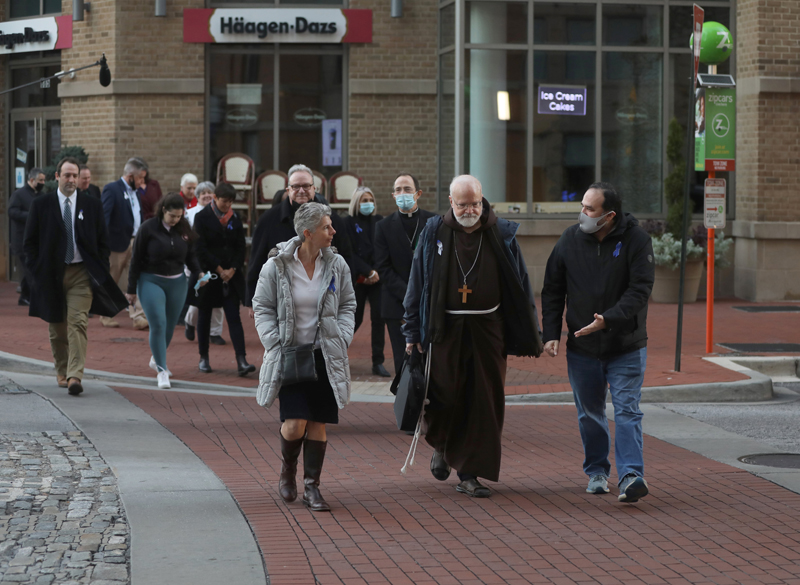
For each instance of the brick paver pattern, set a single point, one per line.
(704, 522)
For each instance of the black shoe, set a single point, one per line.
(189, 333)
(243, 367)
(439, 468)
(75, 388)
(204, 366)
(24, 302)
(473, 488)
(379, 370)
(216, 340)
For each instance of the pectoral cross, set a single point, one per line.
(464, 292)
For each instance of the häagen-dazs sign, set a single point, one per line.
(277, 25)
(36, 34)
(309, 117)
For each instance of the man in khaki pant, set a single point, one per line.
(123, 215)
(66, 250)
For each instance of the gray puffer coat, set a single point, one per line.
(275, 320)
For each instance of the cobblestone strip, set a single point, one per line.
(61, 519)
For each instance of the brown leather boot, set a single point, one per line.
(288, 484)
(313, 456)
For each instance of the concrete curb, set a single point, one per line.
(757, 388)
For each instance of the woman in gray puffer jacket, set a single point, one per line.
(305, 295)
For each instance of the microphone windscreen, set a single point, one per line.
(105, 73)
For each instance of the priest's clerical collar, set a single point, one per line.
(409, 213)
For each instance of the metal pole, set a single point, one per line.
(710, 268)
(161, 7)
(685, 227)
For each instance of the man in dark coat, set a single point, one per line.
(66, 248)
(604, 266)
(123, 212)
(396, 238)
(18, 209)
(456, 311)
(85, 186)
(277, 225)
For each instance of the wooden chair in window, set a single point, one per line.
(267, 184)
(320, 183)
(341, 188)
(238, 170)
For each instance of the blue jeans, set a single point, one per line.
(590, 379)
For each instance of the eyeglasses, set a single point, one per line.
(306, 187)
(461, 206)
(406, 190)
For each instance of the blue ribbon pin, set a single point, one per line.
(439, 245)
(617, 249)
(332, 285)
(358, 229)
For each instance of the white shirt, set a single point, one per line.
(73, 203)
(190, 213)
(133, 199)
(305, 296)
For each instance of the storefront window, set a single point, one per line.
(632, 120)
(25, 8)
(34, 96)
(496, 122)
(680, 22)
(632, 25)
(242, 108)
(497, 22)
(310, 92)
(563, 23)
(564, 145)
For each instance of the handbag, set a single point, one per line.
(409, 390)
(299, 364)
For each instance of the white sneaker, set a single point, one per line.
(154, 367)
(163, 380)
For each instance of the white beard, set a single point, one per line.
(468, 220)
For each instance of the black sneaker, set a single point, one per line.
(632, 488)
(216, 340)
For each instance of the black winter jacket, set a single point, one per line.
(612, 278)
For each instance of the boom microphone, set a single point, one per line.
(105, 72)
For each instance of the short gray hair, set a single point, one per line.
(300, 169)
(134, 165)
(34, 173)
(355, 200)
(469, 180)
(188, 178)
(308, 217)
(205, 187)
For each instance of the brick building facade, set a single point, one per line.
(167, 104)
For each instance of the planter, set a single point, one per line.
(668, 281)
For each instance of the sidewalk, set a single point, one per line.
(125, 350)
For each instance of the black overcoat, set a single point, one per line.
(18, 209)
(361, 231)
(393, 258)
(219, 246)
(45, 245)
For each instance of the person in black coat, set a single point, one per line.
(18, 210)
(221, 251)
(277, 225)
(85, 186)
(66, 249)
(395, 241)
(366, 280)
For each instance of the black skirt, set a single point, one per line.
(314, 401)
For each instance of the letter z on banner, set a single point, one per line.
(277, 25)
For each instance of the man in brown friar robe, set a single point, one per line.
(469, 302)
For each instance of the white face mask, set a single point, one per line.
(589, 225)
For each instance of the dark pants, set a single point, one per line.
(373, 293)
(398, 342)
(24, 285)
(231, 308)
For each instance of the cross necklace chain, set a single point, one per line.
(412, 238)
(464, 290)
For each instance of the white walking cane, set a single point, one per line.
(415, 441)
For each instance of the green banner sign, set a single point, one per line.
(715, 130)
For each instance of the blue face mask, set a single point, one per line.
(366, 208)
(405, 201)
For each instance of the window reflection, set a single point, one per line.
(630, 25)
(680, 22)
(563, 24)
(34, 96)
(632, 126)
(497, 22)
(563, 145)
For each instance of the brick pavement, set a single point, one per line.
(125, 350)
(704, 522)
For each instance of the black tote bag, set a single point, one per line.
(409, 390)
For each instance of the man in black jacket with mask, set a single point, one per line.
(18, 209)
(604, 266)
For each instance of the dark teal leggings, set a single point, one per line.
(162, 300)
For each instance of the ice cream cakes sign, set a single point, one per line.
(277, 25)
